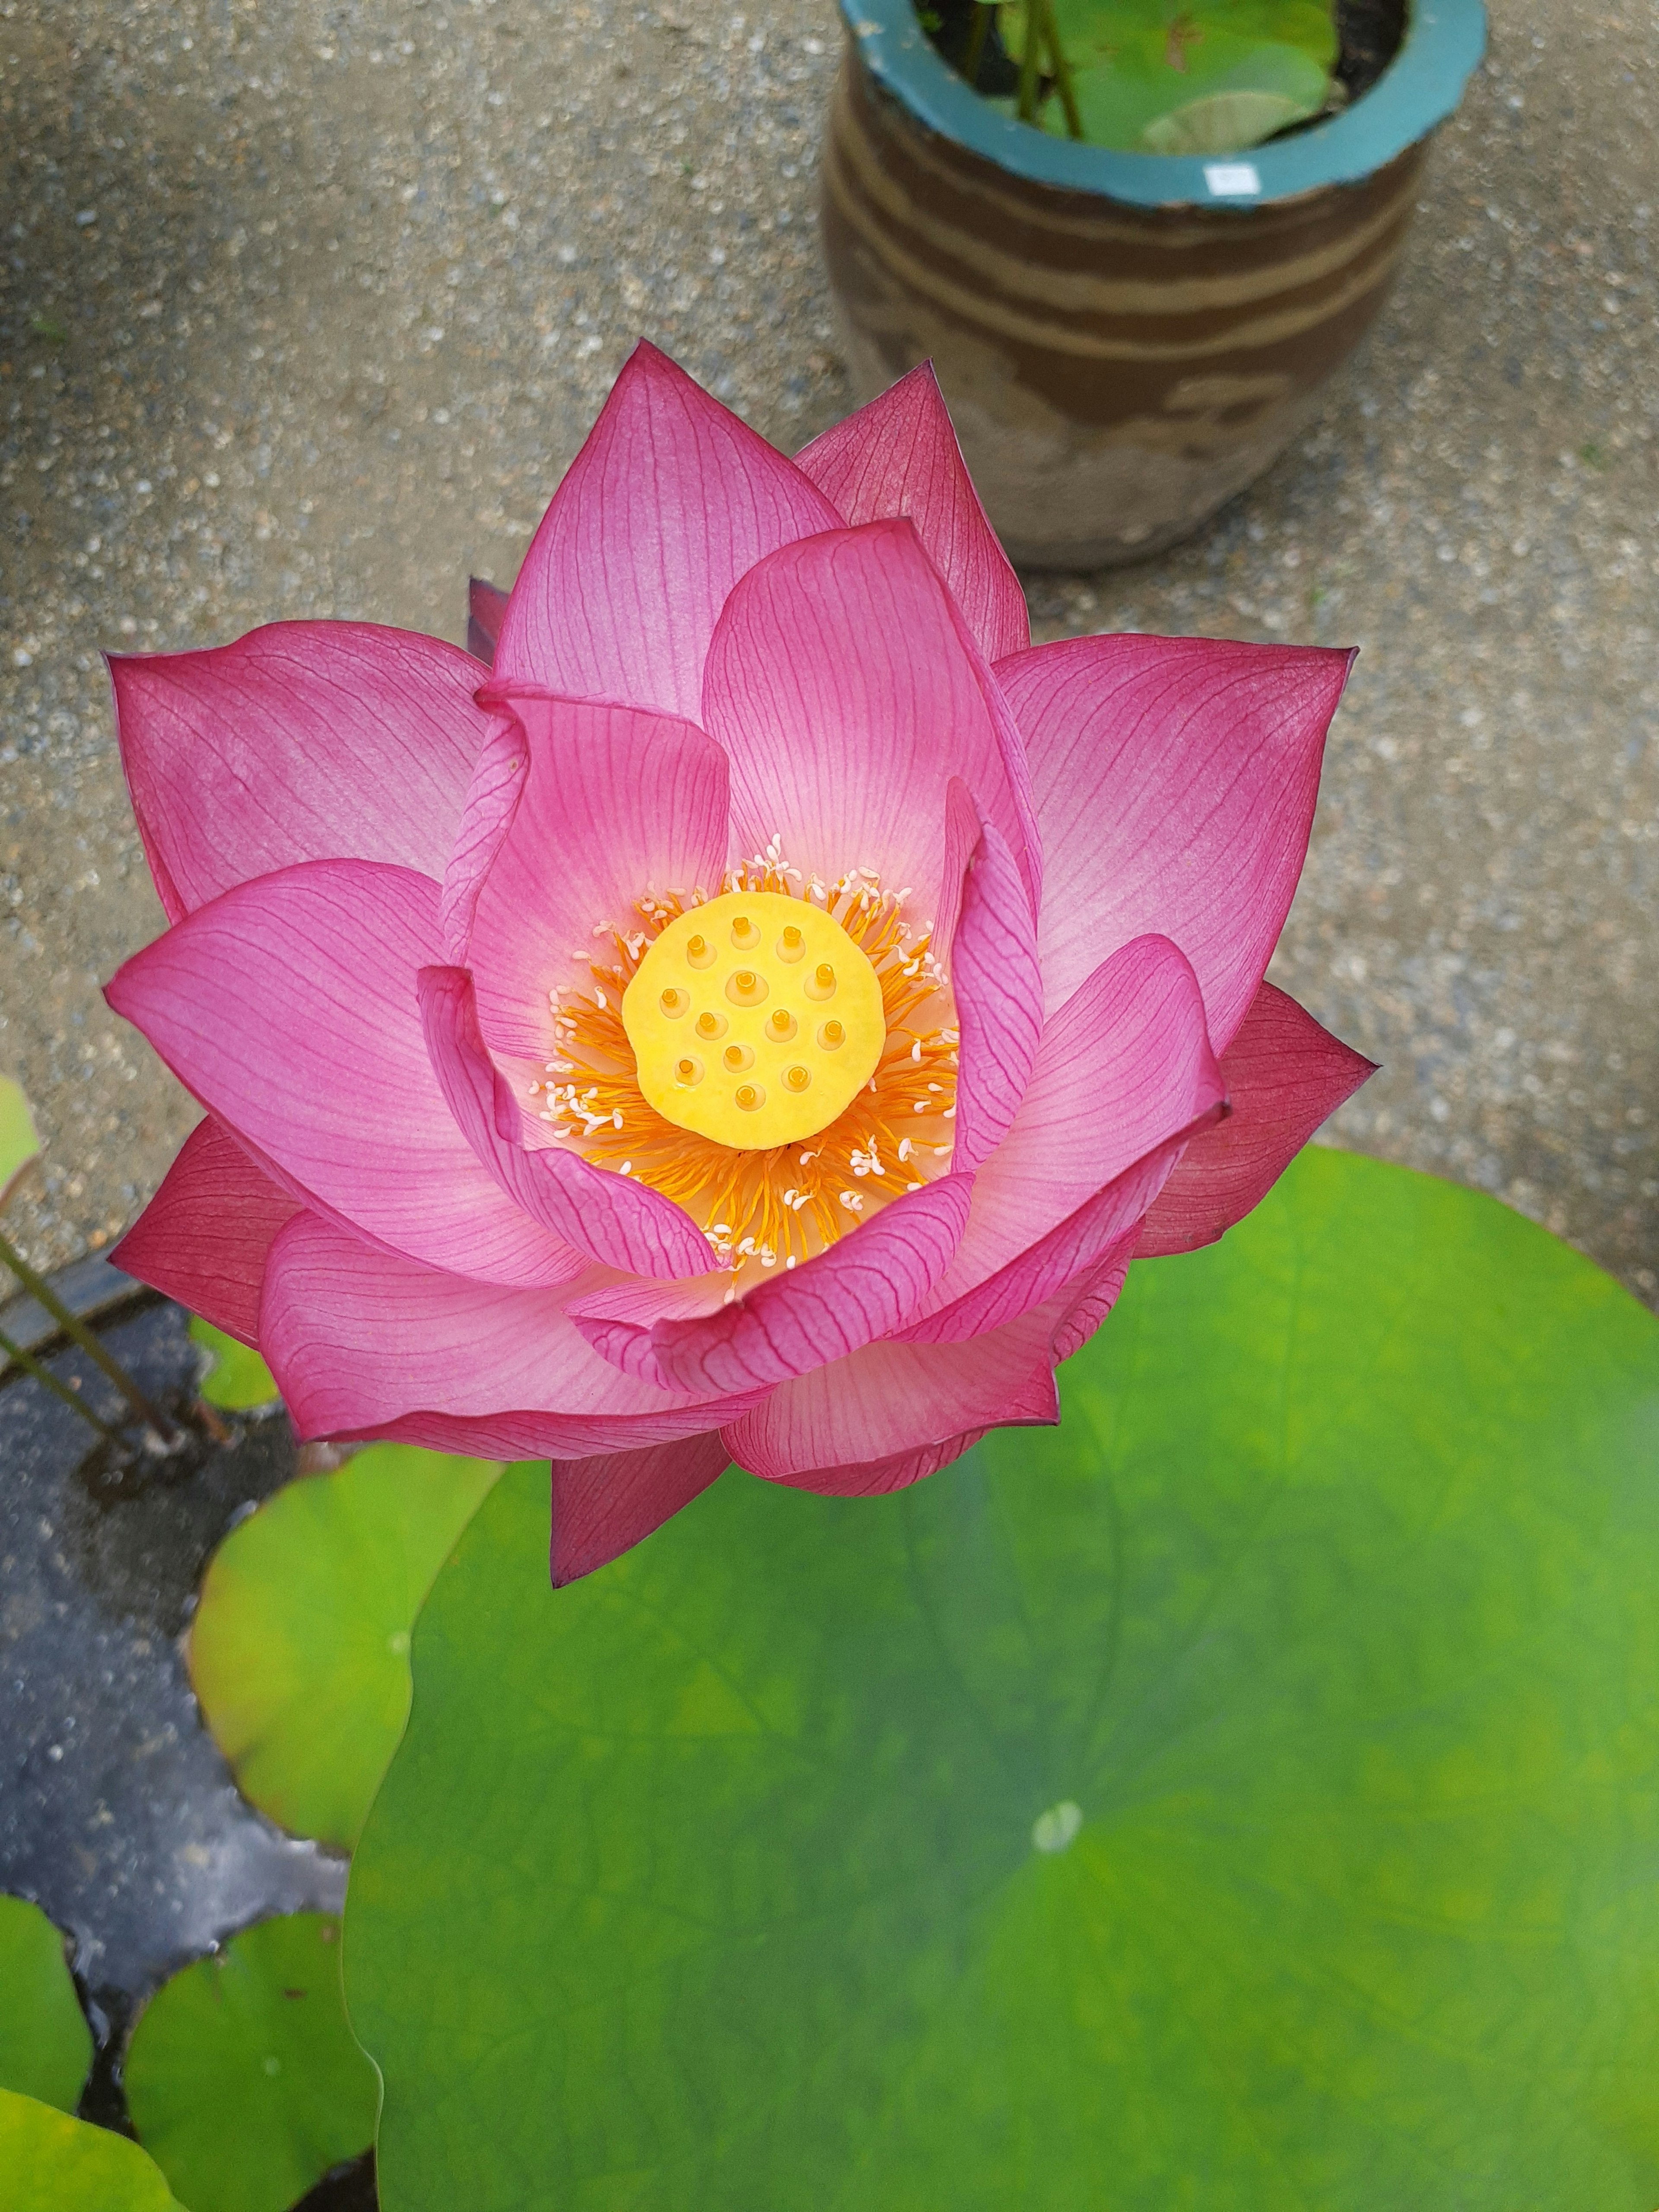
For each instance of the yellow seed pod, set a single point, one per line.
(742, 967)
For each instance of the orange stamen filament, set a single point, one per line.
(762, 1209)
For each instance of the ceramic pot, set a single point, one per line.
(1125, 340)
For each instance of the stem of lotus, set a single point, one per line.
(1062, 69)
(973, 59)
(1030, 57)
(44, 1375)
(74, 1327)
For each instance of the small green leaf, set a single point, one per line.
(45, 2045)
(242, 2077)
(1239, 1797)
(50, 328)
(299, 1651)
(1191, 77)
(1222, 122)
(51, 2163)
(18, 1143)
(238, 1379)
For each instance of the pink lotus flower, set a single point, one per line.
(762, 1020)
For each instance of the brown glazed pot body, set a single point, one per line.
(1114, 372)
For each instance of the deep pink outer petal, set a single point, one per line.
(609, 1220)
(669, 501)
(602, 1507)
(1283, 1075)
(889, 1398)
(287, 1006)
(204, 1237)
(1106, 1224)
(1175, 780)
(361, 1340)
(997, 986)
(878, 1478)
(1123, 1069)
(485, 608)
(878, 1408)
(1092, 1298)
(618, 801)
(862, 1288)
(302, 741)
(899, 455)
(846, 698)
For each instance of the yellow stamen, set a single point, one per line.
(773, 1108)
(763, 1207)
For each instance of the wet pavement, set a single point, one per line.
(304, 307)
(117, 1815)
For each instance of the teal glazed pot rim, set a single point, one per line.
(1444, 42)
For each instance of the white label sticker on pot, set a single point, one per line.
(1232, 180)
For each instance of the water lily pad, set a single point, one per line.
(238, 1378)
(242, 2077)
(299, 1652)
(1191, 77)
(53, 2163)
(1241, 1796)
(18, 1143)
(45, 2045)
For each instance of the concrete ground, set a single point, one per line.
(304, 307)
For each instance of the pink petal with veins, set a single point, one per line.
(878, 1478)
(845, 701)
(360, 1340)
(899, 455)
(602, 1507)
(204, 1237)
(1284, 1075)
(609, 1220)
(1105, 1223)
(888, 1399)
(493, 794)
(1175, 780)
(669, 501)
(302, 741)
(616, 802)
(1123, 1067)
(1092, 1298)
(289, 1007)
(997, 986)
(860, 1288)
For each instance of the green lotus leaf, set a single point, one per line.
(1222, 122)
(1241, 1796)
(238, 1379)
(242, 2077)
(1190, 76)
(45, 2045)
(53, 2163)
(18, 1143)
(299, 1652)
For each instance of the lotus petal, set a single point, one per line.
(1175, 780)
(899, 455)
(1284, 1075)
(842, 692)
(669, 501)
(602, 1507)
(204, 1237)
(289, 1007)
(302, 741)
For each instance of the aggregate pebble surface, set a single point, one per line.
(304, 308)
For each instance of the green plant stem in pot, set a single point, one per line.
(1172, 76)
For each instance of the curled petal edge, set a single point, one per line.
(615, 1223)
